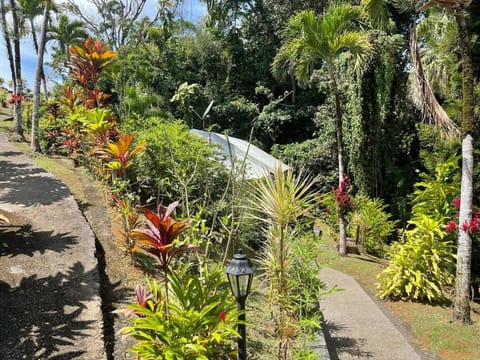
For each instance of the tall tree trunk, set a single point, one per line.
(35, 44)
(35, 144)
(342, 221)
(461, 311)
(17, 107)
(8, 43)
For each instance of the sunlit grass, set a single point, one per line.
(6, 125)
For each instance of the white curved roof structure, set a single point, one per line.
(237, 152)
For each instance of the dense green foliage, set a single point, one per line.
(178, 165)
(201, 318)
(372, 224)
(422, 264)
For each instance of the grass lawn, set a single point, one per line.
(430, 324)
(6, 121)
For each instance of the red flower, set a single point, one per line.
(451, 226)
(474, 225)
(222, 316)
(16, 99)
(456, 203)
(342, 199)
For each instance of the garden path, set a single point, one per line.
(358, 326)
(50, 307)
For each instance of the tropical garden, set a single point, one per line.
(371, 104)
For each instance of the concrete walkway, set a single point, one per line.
(357, 326)
(50, 306)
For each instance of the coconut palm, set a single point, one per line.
(35, 144)
(311, 42)
(31, 9)
(438, 34)
(7, 39)
(14, 59)
(461, 312)
(66, 34)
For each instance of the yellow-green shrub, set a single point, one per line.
(421, 266)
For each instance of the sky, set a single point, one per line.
(192, 10)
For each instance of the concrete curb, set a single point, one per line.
(320, 344)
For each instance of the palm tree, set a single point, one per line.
(67, 33)
(30, 9)
(35, 144)
(311, 42)
(16, 65)
(431, 109)
(8, 40)
(461, 311)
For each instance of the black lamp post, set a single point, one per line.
(240, 275)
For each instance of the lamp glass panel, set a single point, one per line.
(243, 281)
(232, 279)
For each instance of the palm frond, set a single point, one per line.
(341, 18)
(284, 63)
(357, 43)
(423, 96)
(377, 10)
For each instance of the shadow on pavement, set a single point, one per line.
(39, 317)
(22, 240)
(341, 344)
(21, 184)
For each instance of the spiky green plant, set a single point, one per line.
(281, 202)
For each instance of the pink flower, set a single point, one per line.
(16, 99)
(451, 226)
(142, 296)
(142, 300)
(456, 203)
